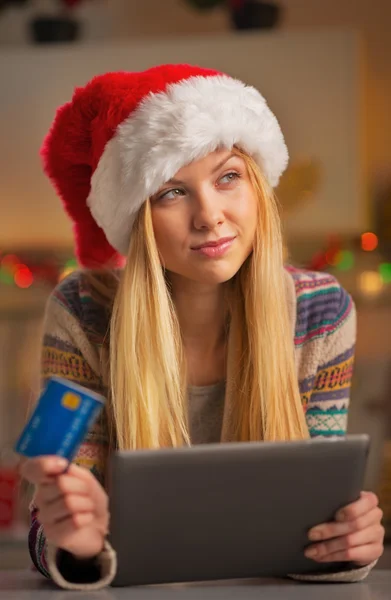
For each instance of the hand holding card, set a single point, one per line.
(72, 504)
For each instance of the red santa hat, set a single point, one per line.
(124, 135)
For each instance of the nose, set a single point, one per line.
(208, 211)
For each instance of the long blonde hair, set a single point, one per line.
(148, 398)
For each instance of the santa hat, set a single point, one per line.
(124, 135)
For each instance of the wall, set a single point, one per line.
(163, 18)
(95, 17)
(371, 17)
(315, 91)
(169, 18)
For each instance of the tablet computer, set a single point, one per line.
(222, 511)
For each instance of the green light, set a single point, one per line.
(6, 277)
(71, 264)
(345, 260)
(385, 272)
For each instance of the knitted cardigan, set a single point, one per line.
(323, 325)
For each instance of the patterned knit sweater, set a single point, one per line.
(323, 325)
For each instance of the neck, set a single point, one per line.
(201, 314)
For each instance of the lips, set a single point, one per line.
(216, 248)
(214, 243)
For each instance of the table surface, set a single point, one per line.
(24, 585)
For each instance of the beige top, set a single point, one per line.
(206, 408)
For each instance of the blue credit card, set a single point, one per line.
(64, 414)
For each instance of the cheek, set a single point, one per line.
(168, 231)
(246, 214)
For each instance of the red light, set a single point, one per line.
(332, 256)
(10, 262)
(369, 241)
(23, 277)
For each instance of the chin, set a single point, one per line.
(218, 279)
(211, 272)
(219, 274)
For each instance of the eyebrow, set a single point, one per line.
(216, 168)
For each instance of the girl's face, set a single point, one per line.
(204, 219)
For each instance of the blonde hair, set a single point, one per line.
(148, 404)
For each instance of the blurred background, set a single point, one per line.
(325, 70)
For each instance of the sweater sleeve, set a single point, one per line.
(68, 353)
(328, 404)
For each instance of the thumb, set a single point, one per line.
(41, 469)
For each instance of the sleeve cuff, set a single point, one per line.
(349, 576)
(92, 575)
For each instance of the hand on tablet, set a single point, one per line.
(356, 534)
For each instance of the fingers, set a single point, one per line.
(77, 535)
(70, 505)
(345, 545)
(67, 526)
(60, 486)
(336, 529)
(80, 473)
(356, 535)
(351, 512)
(42, 469)
(361, 555)
(96, 491)
(62, 495)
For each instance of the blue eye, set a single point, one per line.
(171, 194)
(230, 177)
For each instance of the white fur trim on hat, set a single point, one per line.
(171, 129)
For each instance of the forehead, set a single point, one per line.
(205, 164)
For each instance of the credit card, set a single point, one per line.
(64, 414)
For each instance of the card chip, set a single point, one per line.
(71, 401)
